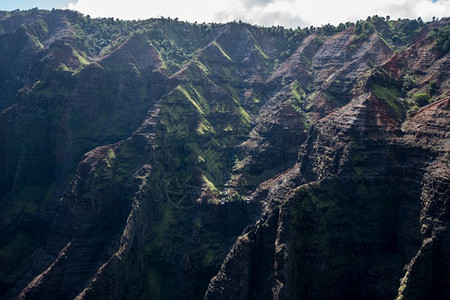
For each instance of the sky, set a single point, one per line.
(288, 13)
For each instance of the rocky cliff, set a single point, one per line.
(166, 160)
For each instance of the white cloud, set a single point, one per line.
(289, 13)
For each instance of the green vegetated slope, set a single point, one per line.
(134, 153)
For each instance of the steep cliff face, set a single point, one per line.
(357, 207)
(161, 159)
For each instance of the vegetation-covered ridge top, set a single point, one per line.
(179, 41)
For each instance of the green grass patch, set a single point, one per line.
(163, 63)
(81, 58)
(245, 117)
(210, 186)
(54, 92)
(209, 257)
(421, 99)
(36, 42)
(297, 92)
(202, 67)
(258, 47)
(186, 94)
(391, 96)
(221, 50)
(205, 127)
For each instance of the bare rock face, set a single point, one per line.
(159, 159)
(428, 129)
